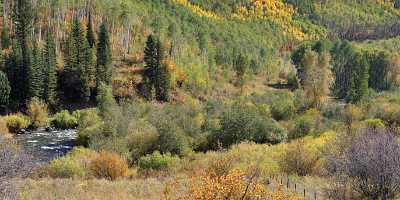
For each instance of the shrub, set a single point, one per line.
(89, 123)
(64, 120)
(73, 165)
(234, 185)
(282, 109)
(157, 161)
(17, 122)
(5, 89)
(299, 159)
(3, 126)
(370, 162)
(142, 140)
(65, 167)
(309, 123)
(38, 113)
(374, 124)
(245, 122)
(109, 166)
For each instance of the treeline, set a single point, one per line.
(344, 70)
(32, 67)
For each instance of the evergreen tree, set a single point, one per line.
(14, 66)
(104, 62)
(5, 38)
(4, 89)
(50, 69)
(23, 15)
(359, 78)
(162, 77)
(89, 32)
(35, 73)
(79, 69)
(150, 54)
(156, 76)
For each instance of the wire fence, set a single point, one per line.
(293, 186)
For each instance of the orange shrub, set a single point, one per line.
(109, 166)
(235, 185)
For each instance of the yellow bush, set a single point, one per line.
(3, 126)
(233, 185)
(109, 166)
(38, 113)
(16, 122)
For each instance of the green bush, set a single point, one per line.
(244, 121)
(38, 113)
(157, 161)
(89, 123)
(309, 123)
(17, 122)
(73, 165)
(142, 140)
(64, 120)
(282, 109)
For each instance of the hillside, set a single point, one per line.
(200, 99)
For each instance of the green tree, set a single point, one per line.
(4, 89)
(150, 54)
(50, 69)
(104, 58)
(5, 38)
(157, 75)
(79, 70)
(240, 65)
(359, 78)
(23, 15)
(317, 73)
(35, 73)
(162, 77)
(14, 68)
(89, 32)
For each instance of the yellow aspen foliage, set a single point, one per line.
(273, 10)
(198, 10)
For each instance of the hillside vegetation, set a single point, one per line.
(202, 99)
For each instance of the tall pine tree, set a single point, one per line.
(89, 32)
(50, 69)
(156, 76)
(162, 77)
(150, 58)
(79, 69)
(23, 15)
(14, 67)
(35, 73)
(104, 62)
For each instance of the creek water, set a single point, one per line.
(47, 145)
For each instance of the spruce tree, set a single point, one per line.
(104, 62)
(4, 89)
(150, 59)
(35, 74)
(162, 77)
(50, 69)
(79, 69)
(156, 76)
(89, 32)
(14, 66)
(23, 15)
(5, 38)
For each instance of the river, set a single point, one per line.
(45, 146)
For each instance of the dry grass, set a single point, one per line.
(68, 189)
